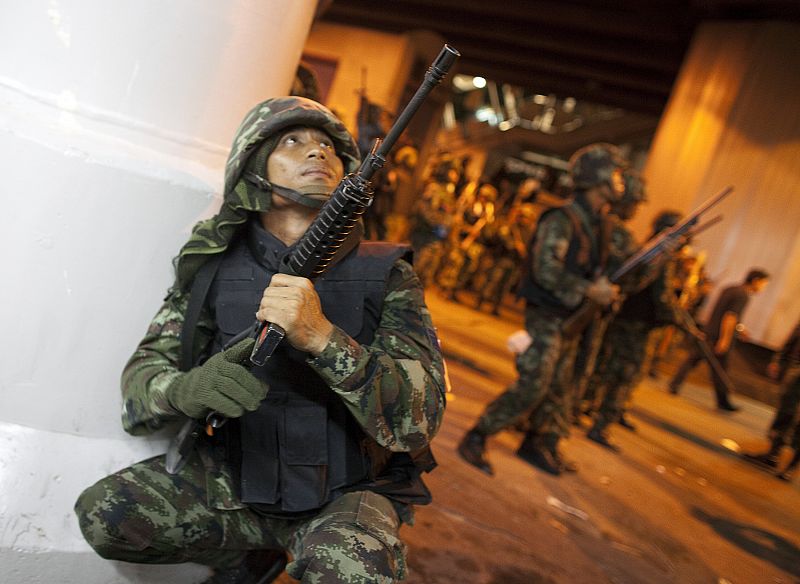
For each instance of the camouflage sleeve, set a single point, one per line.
(621, 247)
(553, 235)
(154, 367)
(395, 385)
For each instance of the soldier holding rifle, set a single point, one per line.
(322, 452)
(567, 251)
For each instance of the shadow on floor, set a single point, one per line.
(758, 542)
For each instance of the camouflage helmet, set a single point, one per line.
(665, 220)
(596, 165)
(254, 140)
(268, 119)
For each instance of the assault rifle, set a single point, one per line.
(687, 323)
(319, 245)
(653, 249)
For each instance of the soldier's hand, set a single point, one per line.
(602, 291)
(221, 384)
(292, 303)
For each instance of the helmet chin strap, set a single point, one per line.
(296, 196)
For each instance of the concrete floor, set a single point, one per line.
(678, 504)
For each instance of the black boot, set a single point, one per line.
(596, 434)
(258, 567)
(626, 423)
(565, 464)
(786, 474)
(472, 449)
(769, 458)
(539, 456)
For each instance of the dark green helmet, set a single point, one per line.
(255, 138)
(595, 165)
(665, 220)
(264, 123)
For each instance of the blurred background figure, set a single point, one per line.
(720, 331)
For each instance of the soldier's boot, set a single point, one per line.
(534, 452)
(768, 458)
(472, 449)
(597, 434)
(565, 464)
(626, 423)
(257, 567)
(787, 473)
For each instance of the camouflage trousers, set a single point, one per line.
(459, 266)
(143, 514)
(427, 261)
(619, 368)
(540, 392)
(498, 275)
(785, 426)
(586, 360)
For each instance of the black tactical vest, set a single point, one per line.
(301, 447)
(582, 259)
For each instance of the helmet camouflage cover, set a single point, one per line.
(595, 165)
(263, 123)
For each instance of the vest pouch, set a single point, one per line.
(260, 469)
(304, 457)
(343, 303)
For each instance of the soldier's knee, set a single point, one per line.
(101, 518)
(349, 559)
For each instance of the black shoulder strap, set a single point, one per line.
(197, 298)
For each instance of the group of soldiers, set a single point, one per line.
(563, 376)
(469, 237)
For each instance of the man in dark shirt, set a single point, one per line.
(720, 331)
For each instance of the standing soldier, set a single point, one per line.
(623, 245)
(567, 251)
(506, 252)
(785, 427)
(431, 217)
(625, 343)
(474, 213)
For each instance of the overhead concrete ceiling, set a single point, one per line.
(623, 53)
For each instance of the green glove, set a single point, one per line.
(221, 384)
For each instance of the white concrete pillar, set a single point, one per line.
(115, 121)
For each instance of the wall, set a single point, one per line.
(734, 119)
(386, 58)
(115, 122)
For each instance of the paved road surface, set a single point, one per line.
(676, 505)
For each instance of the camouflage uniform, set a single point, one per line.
(785, 427)
(431, 216)
(393, 388)
(476, 210)
(567, 249)
(551, 420)
(624, 348)
(622, 246)
(506, 242)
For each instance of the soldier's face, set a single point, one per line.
(305, 160)
(616, 186)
